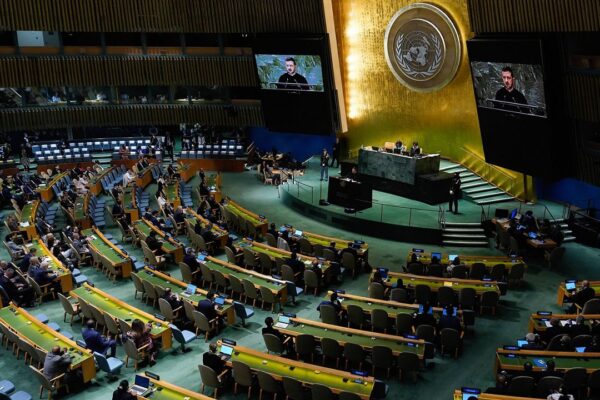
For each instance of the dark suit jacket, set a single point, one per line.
(207, 308)
(581, 297)
(424, 319)
(94, 341)
(449, 322)
(192, 262)
(213, 361)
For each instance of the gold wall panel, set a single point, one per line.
(381, 109)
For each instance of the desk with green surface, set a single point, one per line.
(79, 214)
(513, 360)
(469, 260)
(393, 308)
(130, 204)
(221, 235)
(169, 245)
(101, 245)
(260, 224)
(343, 335)
(63, 275)
(278, 287)
(46, 192)
(178, 287)
(537, 322)
(40, 335)
(435, 283)
(28, 213)
(185, 170)
(163, 390)
(325, 241)
(119, 309)
(564, 293)
(172, 194)
(280, 255)
(278, 367)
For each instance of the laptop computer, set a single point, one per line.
(437, 255)
(521, 343)
(570, 286)
(220, 301)
(282, 322)
(141, 385)
(580, 349)
(189, 290)
(533, 235)
(383, 272)
(226, 352)
(451, 257)
(298, 233)
(454, 311)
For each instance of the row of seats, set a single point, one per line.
(185, 192)
(143, 199)
(214, 150)
(96, 210)
(64, 182)
(113, 177)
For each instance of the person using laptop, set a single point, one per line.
(449, 320)
(534, 342)
(97, 342)
(190, 259)
(296, 265)
(208, 307)
(172, 298)
(581, 297)
(271, 330)
(122, 392)
(212, 360)
(579, 327)
(424, 318)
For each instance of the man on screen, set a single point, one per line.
(508, 93)
(292, 80)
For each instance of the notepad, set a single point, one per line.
(548, 324)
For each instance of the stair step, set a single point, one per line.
(463, 224)
(479, 183)
(557, 220)
(569, 239)
(493, 200)
(453, 168)
(478, 189)
(483, 195)
(466, 174)
(465, 243)
(463, 236)
(472, 179)
(564, 226)
(475, 229)
(567, 232)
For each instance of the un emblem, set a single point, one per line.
(422, 47)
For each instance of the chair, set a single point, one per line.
(287, 273)
(348, 396)
(321, 392)
(207, 275)
(311, 280)
(404, 324)
(51, 385)
(522, 386)
(250, 291)
(69, 308)
(554, 258)
(593, 382)
(271, 240)
(356, 316)
(86, 310)
(349, 262)
(242, 312)
(459, 272)
(426, 332)
(111, 365)
(498, 272)
(268, 384)
(591, 307)
(331, 349)
(242, 375)
(221, 283)
(379, 320)
(98, 317)
(41, 291)
(210, 378)
(328, 314)
(111, 325)
(124, 325)
(150, 291)
(445, 296)
(467, 298)
(133, 352)
(329, 254)
(354, 353)
(231, 257)
(450, 341)
(186, 273)
(516, 272)
(182, 337)
(273, 343)
(408, 363)
(435, 270)
(236, 286)
(489, 300)
(203, 324)
(382, 357)
(294, 390)
(167, 311)
(575, 380)
(139, 286)
(305, 345)
(582, 341)
(268, 297)
(399, 294)
(422, 294)
(547, 385)
(416, 268)
(318, 250)
(250, 259)
(376, 290)
(478, 271)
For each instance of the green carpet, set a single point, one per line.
(473, 368)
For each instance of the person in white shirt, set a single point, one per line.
(161, 201)
(128, 178)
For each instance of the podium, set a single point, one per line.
(350, 194)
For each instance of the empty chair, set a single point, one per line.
(305, 346)
(186, 273)
(516, 273)
(445, 296)
(328, 314)
(376, 290)
(242, 312)
(321, 392)
(356, 316)
(408, 363)
(498, 272)
(242, 375)
(139, 286)
(547, 385)
(305, 246)
(250, 259)
(426, 332)
(221, 283)
(150, 291)
(111, 365)
(435, 270)
(591, 307)
(467, 298)
(210, 378)
(575, 380)
(268, 384)
(478, 271)
(450, 341)
(355, 354)
(522, 386)
(271, 240)
(349, 262)
(554, 257)
(399, 294)
(459, 272)
(231, 257)
(294, 390)
(51, 385)
(266, 264)
(236, 286)
(182, 337)
(268, 297)
(273, 343)
(72, 309)
(422, 294)
(250, 291)
(489, 299)
(204, 324)
(311, 280)
(379, 320)
(404, 324)
(382, 357)
(331, 349)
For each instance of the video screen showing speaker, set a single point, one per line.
(294, 74)
(515, 103)
(512, 87)
(290, 72)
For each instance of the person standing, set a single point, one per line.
(455, 193)
(324, 164)
(168, 145)
(335, 153)
(25, 158)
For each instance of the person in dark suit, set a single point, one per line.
(122, 392)
(207, 233)
(333, 301)
(553, 330)
(207, 306)
(273, 230)
(335, 153)
(415, 150)
(172, 298)
(294, 263)
(581, 297)
(154, 244)
(449, 320)
(19, 292)
(212, 360)
(455, 193)
(269, 329)
(550, 370)
(579, 328)
(97, 342)
(191, 260)
(424, 318)
(324, 164)
(24, 266)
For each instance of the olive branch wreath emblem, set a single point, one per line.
(433, 67)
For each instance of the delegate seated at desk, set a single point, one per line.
(399, 147)
(353, 175)
(415, 150)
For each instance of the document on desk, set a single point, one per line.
(547, 323)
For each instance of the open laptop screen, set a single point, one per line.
(227, 350)
(142, 381)
(191, 288)
(219, 300)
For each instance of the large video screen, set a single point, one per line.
(516, 88)
(290, 72)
